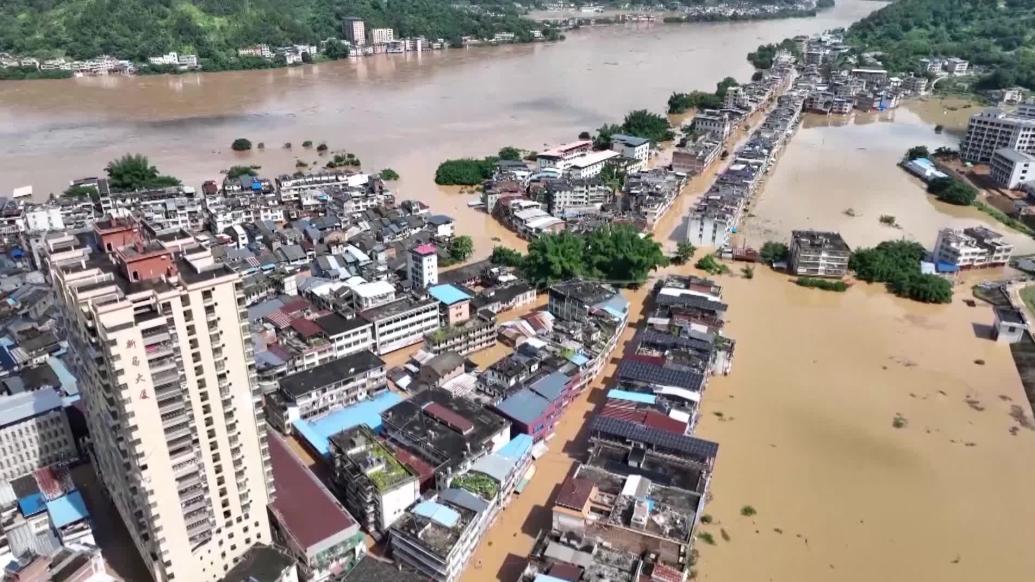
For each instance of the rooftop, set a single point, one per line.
(303, 506)
(397, 307)
(19, 407)
(335, 371)
(436, 525)
(629, 140)
(260, 563)
(317, 432)
(448, 294)
(694, 448)
(334, 324)
(819, 241)
(378, 462)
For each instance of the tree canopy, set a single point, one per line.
(461, 248)
(989, 33)
(135, 172)
(897, 263)
(619, 254)
(465, 172)
(215, 29)
(643, 123)
(952, 191)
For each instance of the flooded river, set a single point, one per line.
(407, 112)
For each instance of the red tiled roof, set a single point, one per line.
(655, 419)
(294, 305)
(303, 506)
(663, 573)
(305, 327)
(279, 318)
(423, 469)
(425, 249)
(574, 493)
(449, 418)
(622, 413)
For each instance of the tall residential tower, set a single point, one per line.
(155, 327)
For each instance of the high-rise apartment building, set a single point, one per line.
(354, 31)
(158, 339)
(994, 129)
(422, 266)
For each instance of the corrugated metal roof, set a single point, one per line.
(696, 448)
(437, 513)
(523, 406)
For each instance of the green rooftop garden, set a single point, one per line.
(477, 483)
(392, 473)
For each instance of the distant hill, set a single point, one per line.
(999, 34)
(215, 29)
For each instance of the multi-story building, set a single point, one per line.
(422, 266)
(326, 388)
(956, 66)
(158, 346)
(1011, 168)
(34, 433)
(437, 536)
(994, 129)
(402, 322)
(713, 121)
(630, 146)
(308, 521)
(381, 35)
(564, 197)
(818, 254)
(561, 157)
(591, 164)
(573, 300)
(375, 486)
(971, 247)
(354, 31)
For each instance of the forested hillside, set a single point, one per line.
(214, 29)
(992, 33)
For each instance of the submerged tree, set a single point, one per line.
(135, 172)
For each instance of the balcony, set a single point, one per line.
(176, 434)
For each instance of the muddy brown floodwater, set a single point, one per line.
(406, 112)
(806, 420)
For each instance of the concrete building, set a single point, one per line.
(567, 197)
(375, 486)
(631, 147)
(437, 536)
(263, 563)
(561, 157)
(591, 164)
(172, 403)
(354, 31)
(956, 66)
(994, 129)
(34, 433)
(402, 323)
(422, 266)
(381, 35)
(573, 300)
(326, 388)
(972, 247)
(1011, 168)
(818, 254)
(308, 521)
(713, 121)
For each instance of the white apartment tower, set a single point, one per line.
(174, 410)
(355, 31)
(994, 129)
(423, 266)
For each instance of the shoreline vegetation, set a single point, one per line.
(214, 30)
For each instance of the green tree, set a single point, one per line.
(241, 145)
(464, 172)
(335, 49)
(506, 257)
(897, 264)
(134, 172)
(643, 123)
(684, 252)
(602, 140)
(917, 152)
(389, 174)
(585, 135)
(238, 171)
(774, 252)
(510, 153)
(554, 257)
(461, 248)
(952, 191)
(711, 265)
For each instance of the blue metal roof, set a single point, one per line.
(437, 513)
(518, 447)
(32, 504)
(448, 294)
(579, 359)
(317, 432)
(632, 396)
(67, 510)
(523, 406)
(550, 387)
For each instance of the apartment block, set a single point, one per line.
(158, 343)
(328, 387)
(994, 129)
(972, 247)
(422, 266)
(402, 323)
(375, 486)
(1011, 168)
(34, 433)
(818, 254)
